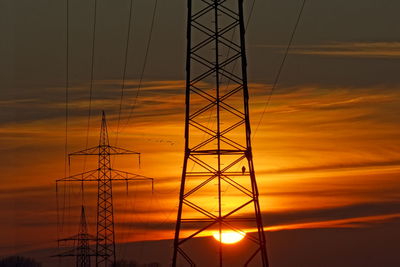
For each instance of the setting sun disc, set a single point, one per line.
(229, 237)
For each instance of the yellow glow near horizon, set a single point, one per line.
(229, 237)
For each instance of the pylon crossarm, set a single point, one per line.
(207, 174)
(73, 253)
(113, 150)
(127, 176)
(122, 151)
(69, 253)
(71, 238)
(95, 151)
(86, 152)
(213, 152)
(77, 237)
(84, 176)
(197, 220)
(123, 175)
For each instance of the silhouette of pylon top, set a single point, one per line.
(104, 142)
(104, 147)
(83, 230)
(81, 240)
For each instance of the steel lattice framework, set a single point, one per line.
(82, 250)
(104, 175)
(218, 188)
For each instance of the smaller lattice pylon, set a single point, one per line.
(81, 250)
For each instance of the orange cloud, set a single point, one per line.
(355, 49)
(318, 151)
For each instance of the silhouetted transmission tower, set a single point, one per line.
(104, 175)
(218, 192)
(82, 250)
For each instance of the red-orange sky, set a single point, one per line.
(326, 151)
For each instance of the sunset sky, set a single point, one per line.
(326, 151)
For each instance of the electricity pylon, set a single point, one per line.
(82, 250)
(218, 191)
(104, 175)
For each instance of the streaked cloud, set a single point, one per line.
(357, 49)
(390, 50)
(332, 149)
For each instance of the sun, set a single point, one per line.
(229, 237)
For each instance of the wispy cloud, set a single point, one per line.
(356, 49)
(347, 49)
(333, 149)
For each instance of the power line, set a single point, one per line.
(66, 111)
(278, 75)
(250, 13)
(124, 69)
(91, 75)
(144, 63)
(123, 84)
(66, 86)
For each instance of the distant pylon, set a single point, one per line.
(104, 175)
(83, 257)
(82, 250)
(218, 191)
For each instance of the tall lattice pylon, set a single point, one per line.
(81, 251)
(104, 175)
(219, 193)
